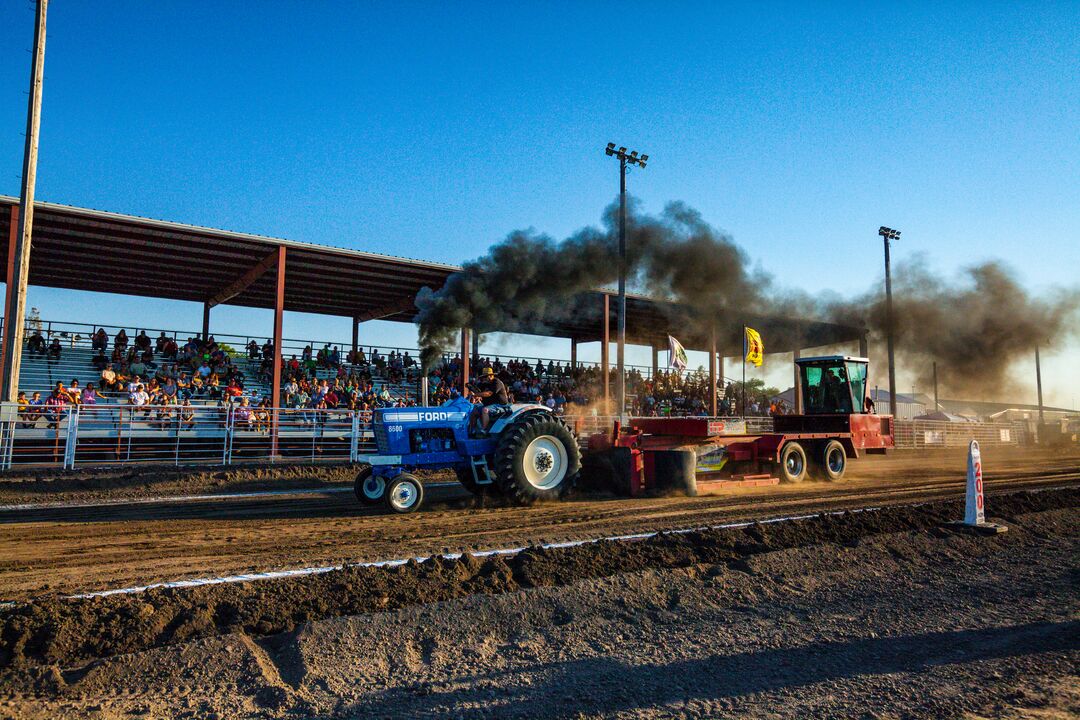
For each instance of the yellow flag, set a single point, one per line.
(755, 349)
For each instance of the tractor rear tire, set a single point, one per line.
(465, 477)
(792, 463)
(404, 494)
(832, 460)
(537, 458)
(368, 487)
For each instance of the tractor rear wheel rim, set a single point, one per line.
(404, 495)
(545, 462)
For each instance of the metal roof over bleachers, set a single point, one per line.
(83, 249)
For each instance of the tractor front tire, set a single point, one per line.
(537, 458)
(369, 487)
(404, 494)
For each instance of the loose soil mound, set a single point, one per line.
(64, 631)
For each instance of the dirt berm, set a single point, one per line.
(55, 630)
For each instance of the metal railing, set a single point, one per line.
(106, 435)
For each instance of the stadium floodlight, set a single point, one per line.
(888, 234)
(624, 159)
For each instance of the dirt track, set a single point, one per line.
(85, 549)
(881, 614)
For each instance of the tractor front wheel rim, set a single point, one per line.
(404, 495)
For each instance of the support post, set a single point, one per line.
(604, 351)
(13, 235)
(15, 310)
(464, 361)
(712, 373)
(573, 354)
(275, 383)
(476, 347)
(655, 361)
(864, 346)
(205, 321)
(355, 335)
(797, 397)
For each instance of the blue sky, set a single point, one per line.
(432, 130)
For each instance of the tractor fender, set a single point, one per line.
(517, 411)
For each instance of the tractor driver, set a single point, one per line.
(492, 393)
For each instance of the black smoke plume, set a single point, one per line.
(974, 326)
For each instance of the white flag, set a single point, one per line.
(676, 355)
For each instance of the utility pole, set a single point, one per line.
(15, 303)
(1038, 383)
(889, 234)
(936, 405)
(620, 351)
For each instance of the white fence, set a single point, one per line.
(104, 435)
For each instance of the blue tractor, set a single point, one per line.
(528, 454)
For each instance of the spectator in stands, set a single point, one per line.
(290, 389)
(90, 395)
(262, 416)
(306, 355)
(254, 353)
(242, 415)
(170, 390)
(74, 391)
(108, 377)
(35, 344)
(159, 342)
(99, 361)
(233, 389)
(55, 348)
(34, 408)
(213, 386)
(335, 357)
(121, 340)
(142, 341)
(56, 406)
(138, 368)
(191, 388)
(138, 396)
(24, 410)
(268, 350)
(187, 414)
(170, 350)
(100, 341)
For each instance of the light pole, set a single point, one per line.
(624, 159)
(889, 234)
